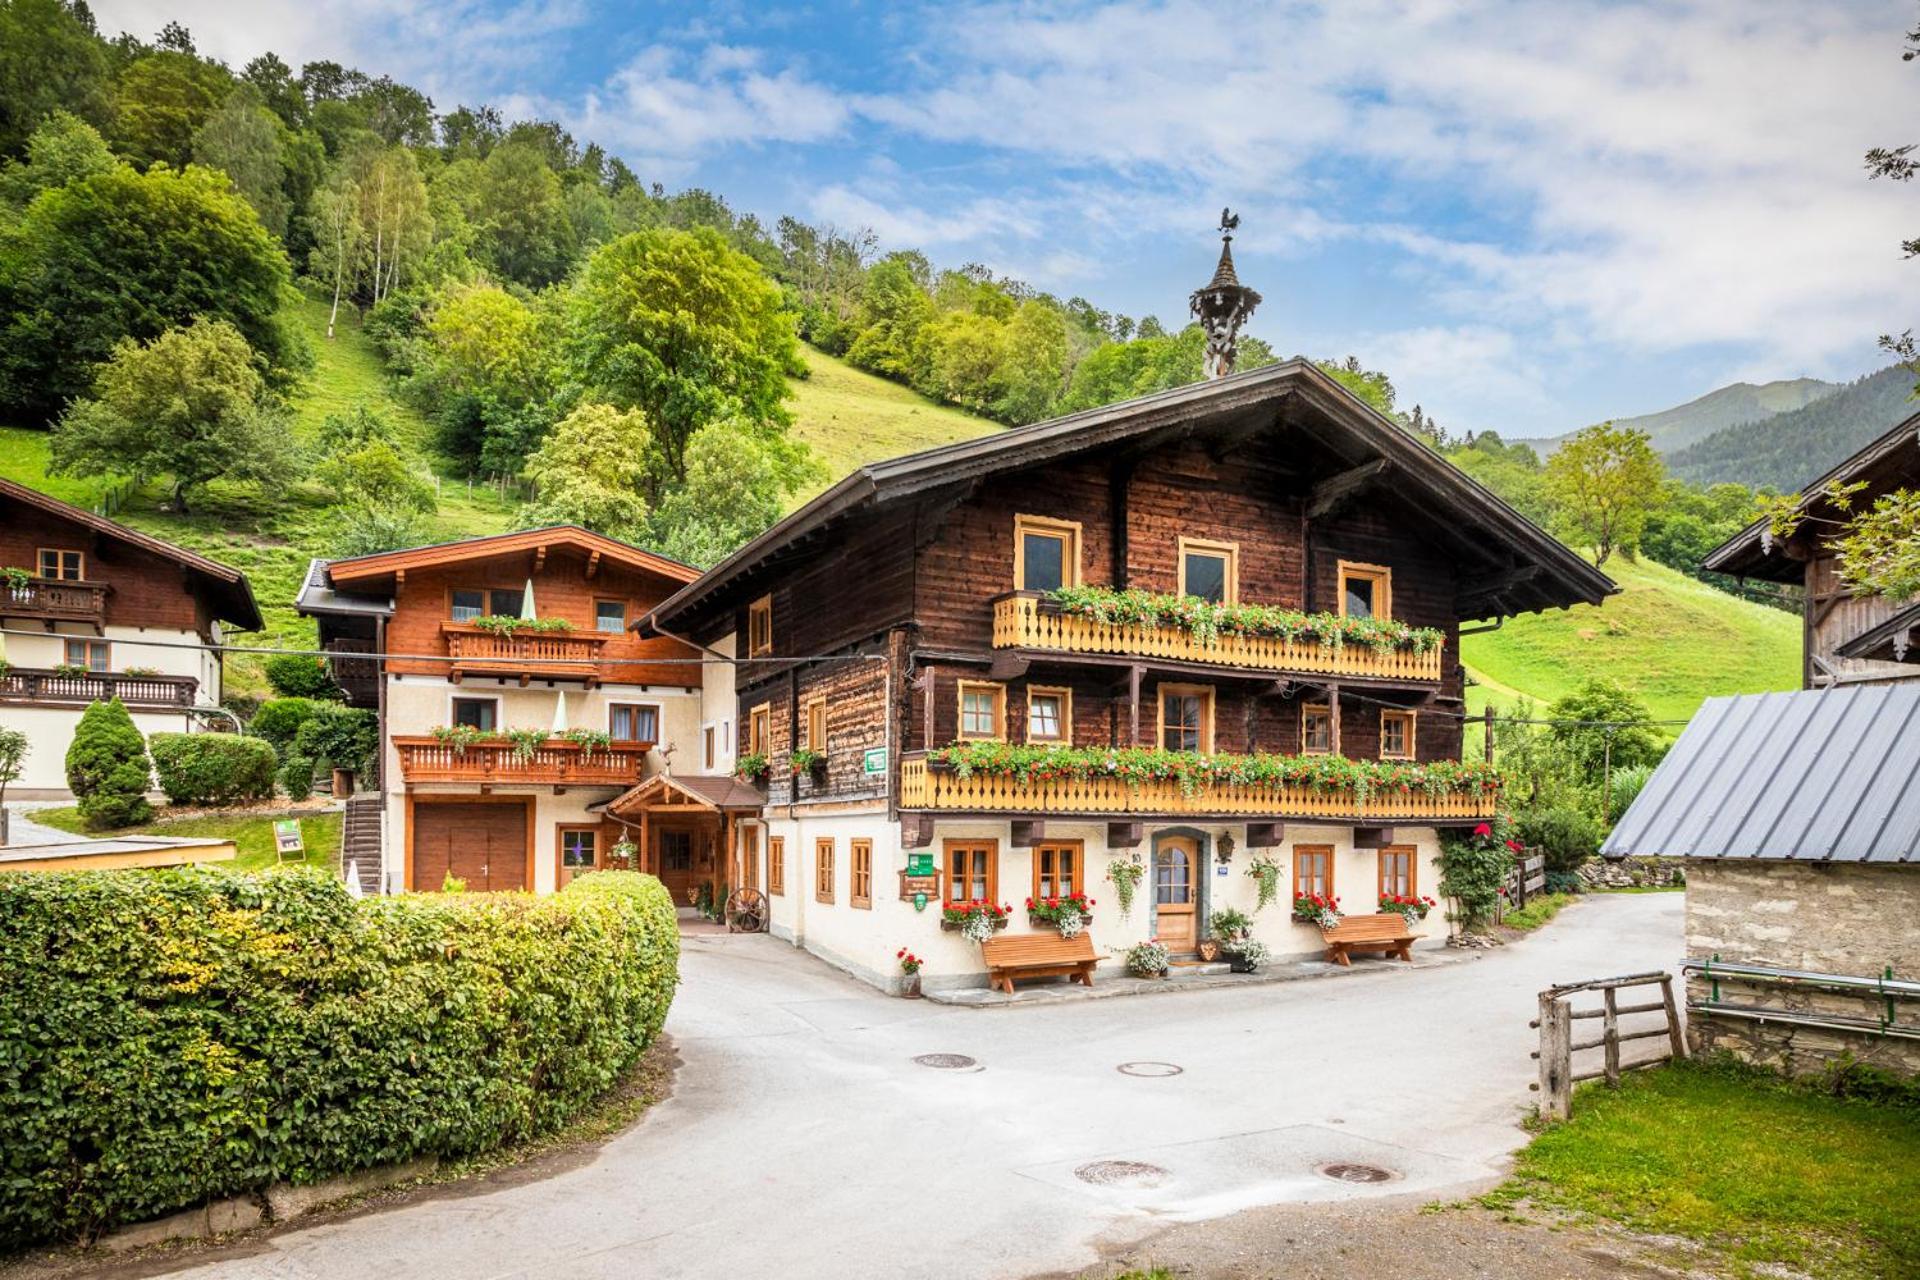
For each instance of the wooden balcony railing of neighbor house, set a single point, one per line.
(358, 678)
(555, 761)
(526, 655)
(1029, 622)
(925, 786)
(44, 687)
(56, 601)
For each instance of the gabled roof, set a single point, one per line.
(368, 568)
(1895, 640)
(1554, 576)
(317, 595)
(1892, 459)
(1825, 775)
(227, 589)
(702, 790)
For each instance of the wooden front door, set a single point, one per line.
(482, 844)
(579, 851)
(747, 874)
(1174, 860)
(674, 857)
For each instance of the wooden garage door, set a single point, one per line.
(482, 844)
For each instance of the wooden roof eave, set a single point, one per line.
(383, 564)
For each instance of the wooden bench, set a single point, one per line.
(1386, 932)
(1037, 955)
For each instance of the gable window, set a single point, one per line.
(610, 616)
(1186, 717)
(823, 869)
(1312, 870)
(1396, 871)
(707, 752)
(983, 710)
(813, 725)
(477, 713)
(1049, 714)
(1316, 729)
(61, 565)
(860, 873)
(777, 866)
(760, 730)
(633, 722)
(1056, 869)
(1046, 553)
(464, 604)
(1366, 590)
(973, 870)
(760, 627)
(1210, 570)
(94, 655)
(1396, 735)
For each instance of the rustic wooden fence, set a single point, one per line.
(1528, 879)
(1558, 1071)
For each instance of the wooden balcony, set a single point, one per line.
(32, 686)
(925, 787)
(555, 762)
(528, 656)
(56, 601)
(1029, 622)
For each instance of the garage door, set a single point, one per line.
(482, 844)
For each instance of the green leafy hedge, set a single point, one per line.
(212, 768)
(166, 1037)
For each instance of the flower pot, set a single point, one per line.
(952, 927)
(1209, 949)
(910, 986)
(1239, 963)
(342, 783)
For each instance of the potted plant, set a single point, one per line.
(624, 854)
(976, 921)
(1126, 874)
(809, 764)
(1148, 959)
(753, 767)
(1414, 909)
(1245, 955)
(1316, 909)
(1070, 915)
(1265, 872)
(909, 973)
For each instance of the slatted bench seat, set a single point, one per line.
(1387, 932)
(1037, 955)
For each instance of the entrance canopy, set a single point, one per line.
(695, 793)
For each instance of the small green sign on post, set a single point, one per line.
(874, 760)
(286, 837)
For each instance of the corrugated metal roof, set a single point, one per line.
(1826, 775)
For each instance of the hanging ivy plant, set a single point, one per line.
(1126, 874)
(1266, 873)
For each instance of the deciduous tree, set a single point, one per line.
(243, 139)
(592, 470)
(736, 486)
(1604, 482)
(51, 59)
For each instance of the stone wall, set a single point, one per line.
(1633, 873)
(1828, 918)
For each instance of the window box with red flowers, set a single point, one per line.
(1070, 915)
(975, 921)
(1317, 909)
(1412, 907)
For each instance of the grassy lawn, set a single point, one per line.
(1537, 912)
(1757, 1170)
(251, 836)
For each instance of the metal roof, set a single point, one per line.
(317, 595)
(1825, 775)
(1895, 640)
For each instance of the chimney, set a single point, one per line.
(1223, 305)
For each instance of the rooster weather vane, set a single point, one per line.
(1223, 305)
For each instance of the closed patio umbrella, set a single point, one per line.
(526, 602)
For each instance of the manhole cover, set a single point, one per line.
(1149, 1069)
(1121, 1173)
(946, 1061)
(1355, 1172)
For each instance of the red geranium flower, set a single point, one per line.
(1484, 829)
(1515, 845)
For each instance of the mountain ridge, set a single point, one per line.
(1735, 404)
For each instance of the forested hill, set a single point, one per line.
(1671, 430)
(1788, 450)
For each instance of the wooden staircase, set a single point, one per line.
(360, 839)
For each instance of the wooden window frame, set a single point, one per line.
(814, 706)
(1300, 881)
(598, 629)
(999, 692)
(950, 847)
(860, 873)
(760, 730)
(560, 830)
(486, 595)
(60, 564)
(1307, 709)
(1228, 551)
(87, 644)
(1205, 692)
(1411, 720)
(499, 707)
(1077, 849)
(823, 869)
(659, 714)
(1381, 577)
(709, 746)
(760, 627)
(1068, 531)
(1066, 712)
(777, 866)
(1412, 854)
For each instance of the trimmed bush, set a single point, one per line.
(107, 768)
(296, 776)
(213, 768)
(279, 719)
(172, 1036)
(341, 737)
(300, 675)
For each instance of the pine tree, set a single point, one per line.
(107, 768)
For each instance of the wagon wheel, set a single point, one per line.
(746, 911)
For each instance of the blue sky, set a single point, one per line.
(1532, 215)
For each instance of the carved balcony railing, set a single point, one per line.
(1029, 622)
(525, 655)
(556, 761)
(927, 786)
(56, 601)
(358, 678)
(44, 687)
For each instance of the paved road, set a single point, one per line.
(803, 1141)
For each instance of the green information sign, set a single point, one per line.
(919, 864)
(286, 836)
(875, 760)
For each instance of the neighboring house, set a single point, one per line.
(112, 613)
(907, 609)
(1798, 816)
(1848, 639)
(473, 654)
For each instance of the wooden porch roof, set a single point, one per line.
(699, 791)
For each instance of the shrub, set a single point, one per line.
(296, 776)
(341, 737)
(279, 719)
(107, 768)
(174, 1036)
(299, 675)
(1627, 784)
(213, 768)
(1565, 836)
(1474, 870)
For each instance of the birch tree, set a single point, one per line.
(338, 237)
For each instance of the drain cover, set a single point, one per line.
(1121, 1173)
(1151, 1069)
(946, 1061)
(1355, 1172)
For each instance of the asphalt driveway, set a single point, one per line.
(803, 1140)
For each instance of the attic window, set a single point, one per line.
(1046, 554)
(1210, 570)
(1366, 590)
(760, 627)
(58, 565)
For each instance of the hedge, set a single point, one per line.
(279, 719)
(212, 768)
(299, 675)
(168, 1037)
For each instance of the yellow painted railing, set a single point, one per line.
(922, 787)
(1021, 622)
